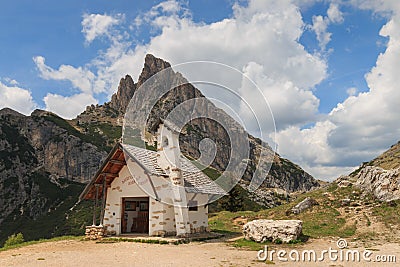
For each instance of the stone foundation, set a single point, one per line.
(201, 229)
(95, 232)
(197, 230)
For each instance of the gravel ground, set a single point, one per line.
(88, 253)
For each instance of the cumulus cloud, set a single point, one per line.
(10, 81)
(334, 13)
(265, 33)
(382, 7)
(163, 14)
(16, 98)
(261, 39)
(79, 77)
(321, 23)
(96, 25)
(320, 26)
(290, 104)
(351, 91)
(362, 126)
(68, 106)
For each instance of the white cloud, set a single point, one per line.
(361, 127)
(321, 23)
(334, 14)
(290, 104)
(306, 3)
(271, 30)
(170, 6)
(384, 7)
(163, 14)
(271, 54)
(79, 77)
(16, 98)
(320, 26)
(10, 81)
(328, 173)
(307, 145)
(101, 74)
(68, 106)
(351, 91)
(96, 25)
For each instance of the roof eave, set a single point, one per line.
(92, 182)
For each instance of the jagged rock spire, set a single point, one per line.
(127, 87)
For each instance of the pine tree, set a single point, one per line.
(234, 201)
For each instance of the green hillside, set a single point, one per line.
(363, 219)
(59, 220)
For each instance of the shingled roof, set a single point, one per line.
(195, 180)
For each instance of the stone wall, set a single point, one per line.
(201, 229)
(95, 232)
(162, 219)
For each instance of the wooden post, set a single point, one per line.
(103, 200)
(95, 204)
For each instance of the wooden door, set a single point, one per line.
(124, 219)
(143, 222)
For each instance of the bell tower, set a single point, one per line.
(169, 160)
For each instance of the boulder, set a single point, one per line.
(273, 230)
(345, 202)
(344, 184)
(307, 203)
(383, 184)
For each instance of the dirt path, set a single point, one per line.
(87, 253)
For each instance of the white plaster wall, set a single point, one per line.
(123, 186)
(168, 154)
(162, 219)
(198, 218)
(162, 216)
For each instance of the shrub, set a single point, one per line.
(14, 239)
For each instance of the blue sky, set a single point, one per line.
(326, 67)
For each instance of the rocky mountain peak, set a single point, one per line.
(152, 65)
(126, 89)
(8, 111)
(41, 113)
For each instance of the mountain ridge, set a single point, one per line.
(390, 159)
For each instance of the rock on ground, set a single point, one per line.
(273, 230)
(304, 205)
(384, 184)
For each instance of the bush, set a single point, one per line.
(14, 239)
